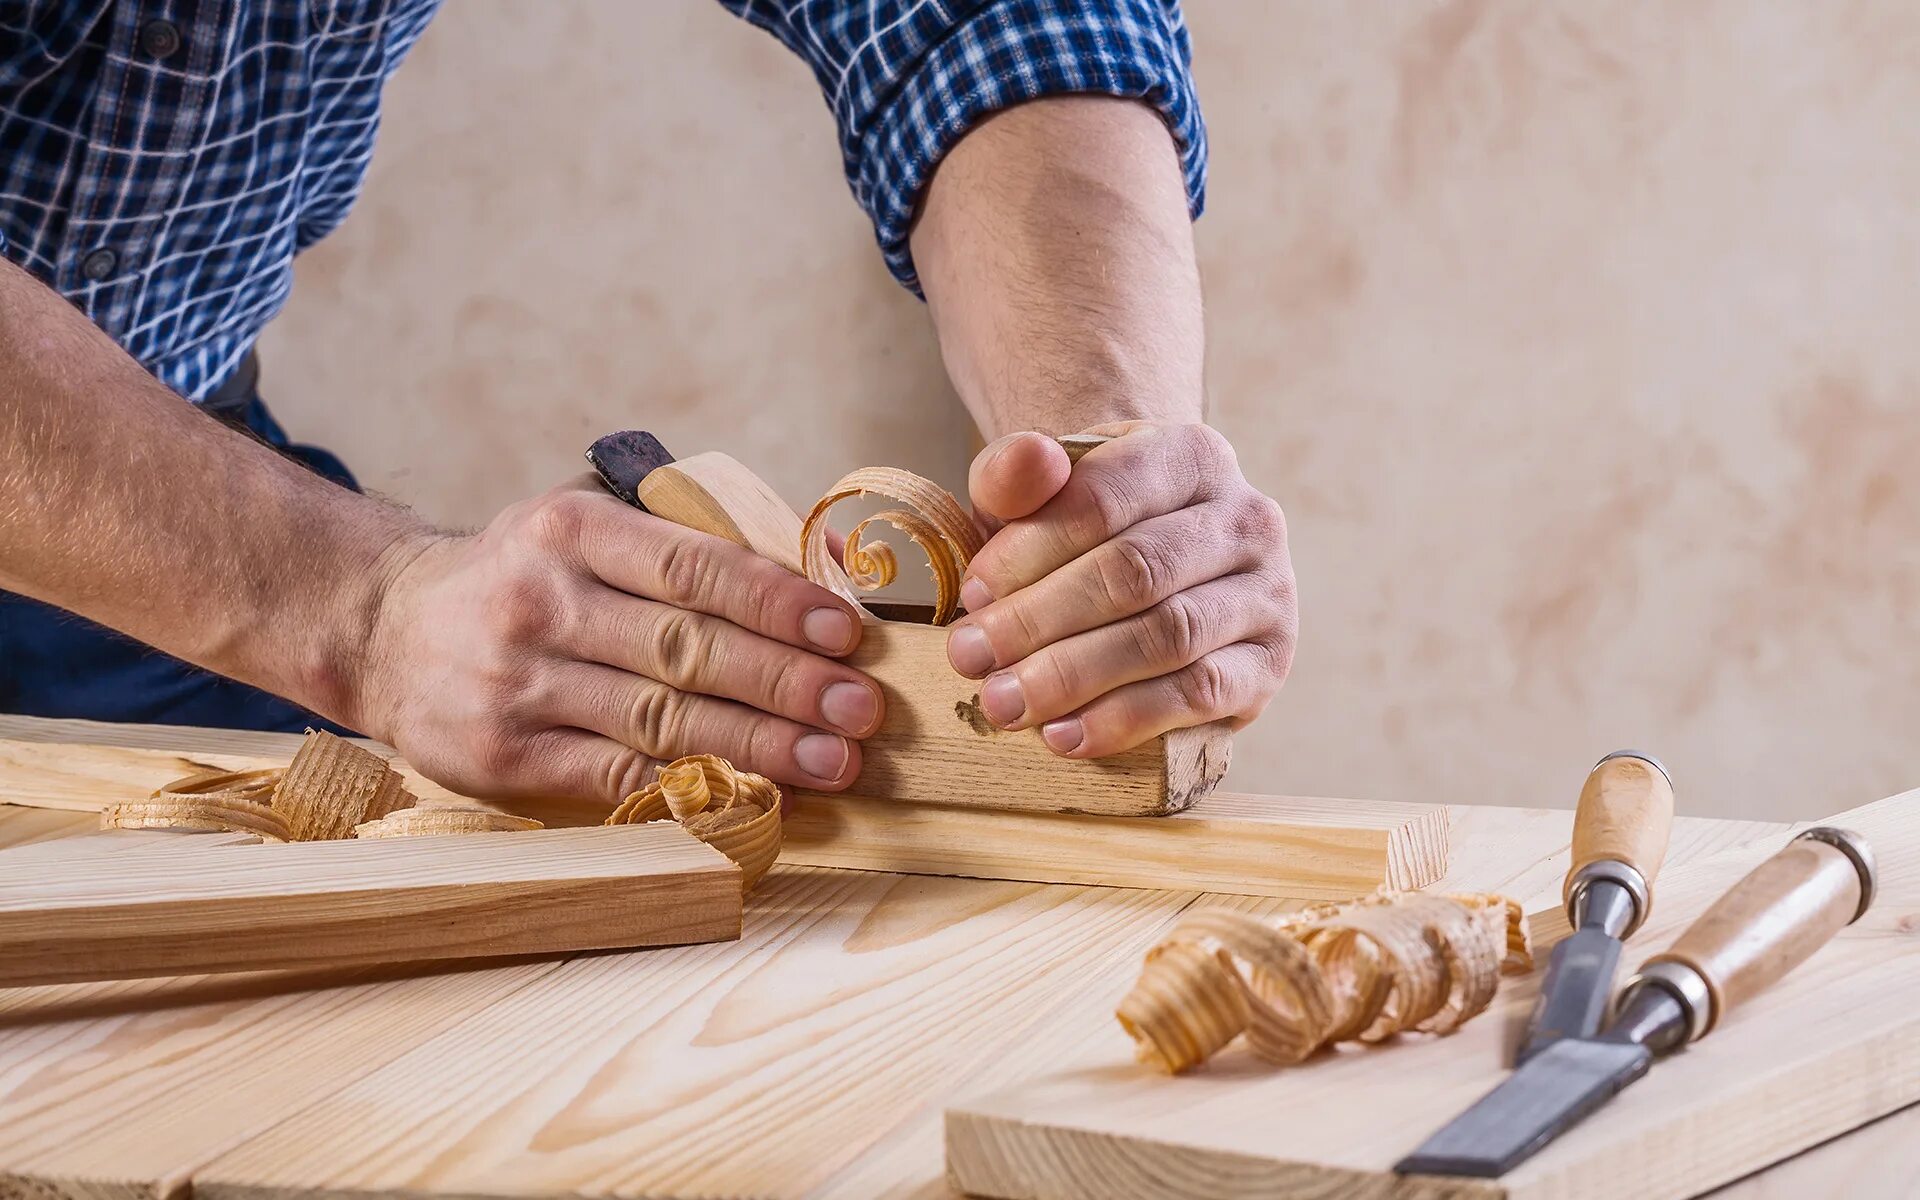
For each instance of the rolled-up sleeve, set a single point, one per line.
(906, 79)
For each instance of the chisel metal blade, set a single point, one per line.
(1537, 1103)
(1574, 997)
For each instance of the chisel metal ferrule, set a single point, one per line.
(1611, 871)
(1855, 847)
(1684, 984)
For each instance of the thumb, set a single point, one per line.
(1017, 474)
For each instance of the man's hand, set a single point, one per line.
(1146, 589)
(575, 641)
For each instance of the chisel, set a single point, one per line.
(1619, 840)
(1764, 926)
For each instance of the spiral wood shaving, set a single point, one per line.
(932, 518)
(1333, 973)
(333, 786)
(735, 812)
(229, 801)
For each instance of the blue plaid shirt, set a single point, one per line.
(162, 161)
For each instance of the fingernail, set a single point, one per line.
(1064, 735)
(969, 651)
(822, 755)
(849, 707)
(975, 595)
(828, 628)
(1002, 698)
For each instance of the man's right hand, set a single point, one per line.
(575, 642)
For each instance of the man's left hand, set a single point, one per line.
(1145, 589)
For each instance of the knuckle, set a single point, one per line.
(1050, 680)
(1205, 686)
(1129, 573)
(1108, 506)
(1013, 628)
(656, 716)
(684, 568)
(558, 520)
(681, 641)
(627, 771)
(498, 752)
(1175, 633)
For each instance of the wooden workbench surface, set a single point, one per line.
(811, 1058)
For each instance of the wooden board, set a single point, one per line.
(1833, 1046)
(763, 1074)
(935, 746)
(198, 907)
(1253, 845)
(96, 1079)
(91, 845)
(1249, 845)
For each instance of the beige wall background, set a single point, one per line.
(1579, 342)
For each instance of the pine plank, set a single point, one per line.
(1521, 852)
(29, 826)
(87, 844)
(119, 1091)
(1834, 1045)
(760, 1069)
(199, 907)
(1252, 845)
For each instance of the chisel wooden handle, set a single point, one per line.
(1771, 921)
(1624, 817)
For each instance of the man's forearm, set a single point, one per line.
(1056, 254)
(122, 503)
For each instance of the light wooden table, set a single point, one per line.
(811, 1058)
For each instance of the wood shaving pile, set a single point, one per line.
(736, 812)
(932, 518)
(1333, 973)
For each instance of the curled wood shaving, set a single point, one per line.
(432, 820)
(932, 518)
(333, 786)
(736, 812)
(1363, 971)
(221, 801)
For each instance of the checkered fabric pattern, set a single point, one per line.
(162, 161)
(907, 78)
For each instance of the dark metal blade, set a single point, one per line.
(623, 460)
(1536, 1104)
(1573, 999)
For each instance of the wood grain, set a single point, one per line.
(1771, 921)
(1248, 845)
(1834, 1045)
(129, 1089)
(1625, 814)
(1256, 845)
(200, 908)
(760, 1069)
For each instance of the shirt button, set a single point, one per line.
(160, 39)
(99, 265)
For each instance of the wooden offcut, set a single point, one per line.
(1832, 1046)
(1246, 845)
(935, 745)
(204, 908)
